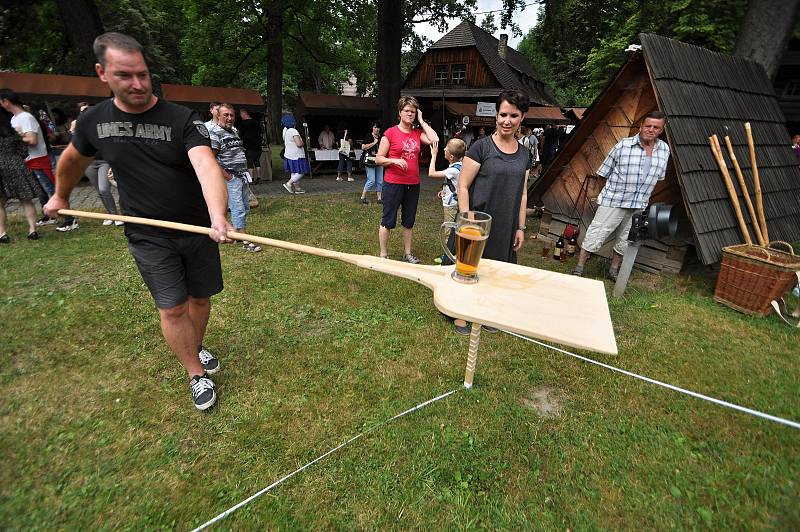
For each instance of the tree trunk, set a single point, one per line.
(766, 29)
(81, 25)
(390, 42)
(274, 99)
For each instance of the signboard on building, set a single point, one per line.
(485, 109)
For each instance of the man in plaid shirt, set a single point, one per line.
(632, 169)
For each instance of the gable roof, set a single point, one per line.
(507, 72)
(702, 93)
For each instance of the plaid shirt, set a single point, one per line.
(627, 186)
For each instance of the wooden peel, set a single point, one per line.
(542, 304)
(745, 192)
(726, 178)
(756, 181)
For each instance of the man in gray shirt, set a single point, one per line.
(230, 153)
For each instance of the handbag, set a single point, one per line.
(344, 145)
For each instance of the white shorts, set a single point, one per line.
(607, 220)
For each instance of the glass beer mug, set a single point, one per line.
(472, 230)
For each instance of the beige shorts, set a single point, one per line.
(608, 220)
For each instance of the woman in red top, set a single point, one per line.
(399, 155)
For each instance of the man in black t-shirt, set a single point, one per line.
(165, 169)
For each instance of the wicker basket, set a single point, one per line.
(751, 277)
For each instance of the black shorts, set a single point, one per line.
(175, 268)
(253, 158)
(345, 163)
(394, 196)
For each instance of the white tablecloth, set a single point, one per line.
(330, 155)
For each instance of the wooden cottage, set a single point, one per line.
(468, 66)
(702, 93)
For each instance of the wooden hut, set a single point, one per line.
(702, 93)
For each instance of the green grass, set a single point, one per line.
(97, 430)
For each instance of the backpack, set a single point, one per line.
(449, 184)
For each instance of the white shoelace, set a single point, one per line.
(200, 385)
(205, 356)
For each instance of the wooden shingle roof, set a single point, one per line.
(507, 72)
(703, 93)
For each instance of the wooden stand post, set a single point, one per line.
(472, 356)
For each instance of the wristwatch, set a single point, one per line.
(521, 228)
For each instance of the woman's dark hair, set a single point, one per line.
(5, 124)
(515, 97)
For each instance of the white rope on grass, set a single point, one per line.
(258, 494)
(720, 402)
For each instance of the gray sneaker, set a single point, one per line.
(411, 258)
(203, 390)
(208, 360)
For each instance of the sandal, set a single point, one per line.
(5, 239)
(249, 246)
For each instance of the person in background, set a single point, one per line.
(632, 168)
(374, 172)
(326, 139)
(345, 160)
(229, 150)
(213, 110)
(494, 180)
(16, 179)
(453, 153)
(60, 136)
(398, 153)
(250, 133)
(38, 159)
(294, 162)
(796, 145)
(481, 135)
(549, 145)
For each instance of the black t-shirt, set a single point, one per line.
(250, 133)
(373, 151)
(551, 139)
(149, 155)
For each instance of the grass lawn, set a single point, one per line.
(97, 429)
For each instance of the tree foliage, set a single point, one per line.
(578, 44)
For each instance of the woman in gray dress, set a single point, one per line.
(16, 180)
(494, 177)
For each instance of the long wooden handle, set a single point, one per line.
(428, 276)
(756, 181)
(726, 178)
(745, 193)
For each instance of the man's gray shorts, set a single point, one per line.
(175, 268)
(606, 221)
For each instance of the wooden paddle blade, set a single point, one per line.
(545, 305)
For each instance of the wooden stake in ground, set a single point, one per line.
(756, 181)
(726, 178)
(537, 303)
(745, 192)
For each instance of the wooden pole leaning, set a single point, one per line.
(726, 178)
(472, 355)
(745, 193)
(756, 181)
